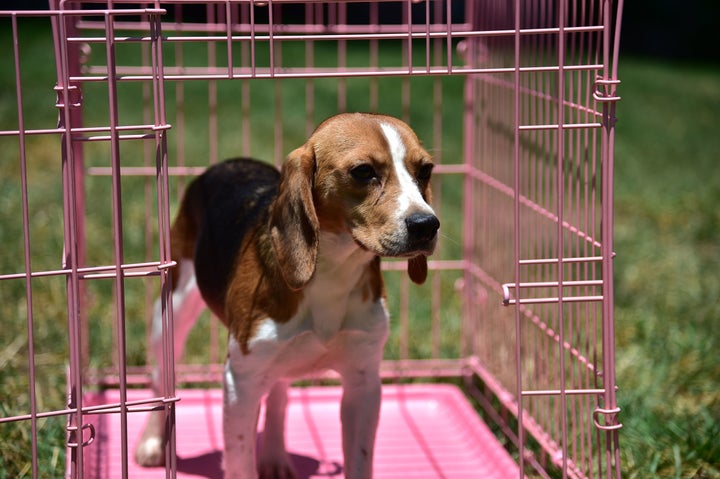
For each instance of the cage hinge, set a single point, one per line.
(610, 422)
(75, 96)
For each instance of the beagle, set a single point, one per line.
(290, 262)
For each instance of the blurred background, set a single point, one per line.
(667, 224)
(667, 238)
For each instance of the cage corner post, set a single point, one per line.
(606, 95)
(69, 104)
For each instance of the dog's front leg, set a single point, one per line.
(359, 412)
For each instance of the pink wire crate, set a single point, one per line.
(516, 101)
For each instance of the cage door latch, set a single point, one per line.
(75, 439)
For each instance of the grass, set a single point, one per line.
(667, 283)
(667, 237)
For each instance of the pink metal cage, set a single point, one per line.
(516, 100)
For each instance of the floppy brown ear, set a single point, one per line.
(294, 226)
(417, 269)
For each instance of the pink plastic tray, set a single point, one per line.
(426, 431)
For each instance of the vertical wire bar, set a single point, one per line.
(251, 9)
(405, 100)
(180, 108)
(228, 40)
(26, 250)
(213, 93)
(575, 334)
(407, 19)
(72, 203)
(595, 45)
(148, 158)
(342, 57)
(276, 60)
(582, 271)
(591, 314)
(611, 51)
(560, 185)
(163, 208)
(118, 252)
(516, 241)
(214, 158)
(404, 281)
(309, 82)
(271, 36)
(436, 298)
(449, 31)
(278, 154)
(428, 49)
(374, 58)
(213, 142)
(245, 51)
(529, 111)
(470, 206)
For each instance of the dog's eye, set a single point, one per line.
(424, 172)
(363, 173)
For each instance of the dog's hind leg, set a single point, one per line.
(187, 304)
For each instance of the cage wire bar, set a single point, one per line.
(515, 98)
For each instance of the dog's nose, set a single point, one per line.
(422, 226)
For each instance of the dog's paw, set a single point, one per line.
(150, 452)
(275, 470)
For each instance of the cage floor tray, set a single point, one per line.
(426, 431)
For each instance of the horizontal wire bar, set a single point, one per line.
(93, 129)
(418, 32)
(99, 409)
(580, 259)
(129, 270)
(71, 13)
(197, 170)
(553, 300)
(565, 126)
(554, 284)
(206, 73)
(558, 392)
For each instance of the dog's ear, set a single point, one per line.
(294, 226)
(417, 269)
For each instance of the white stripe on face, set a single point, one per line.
(409, 196)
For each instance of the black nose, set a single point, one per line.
(422, 227)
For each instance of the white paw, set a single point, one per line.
(150, 452)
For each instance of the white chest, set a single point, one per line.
(335, 317)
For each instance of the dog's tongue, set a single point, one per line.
(417, 269)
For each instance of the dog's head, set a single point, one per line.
(362, 174)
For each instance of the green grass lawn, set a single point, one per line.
(667, 269)
(667, 284)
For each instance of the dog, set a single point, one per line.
(289, 261)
